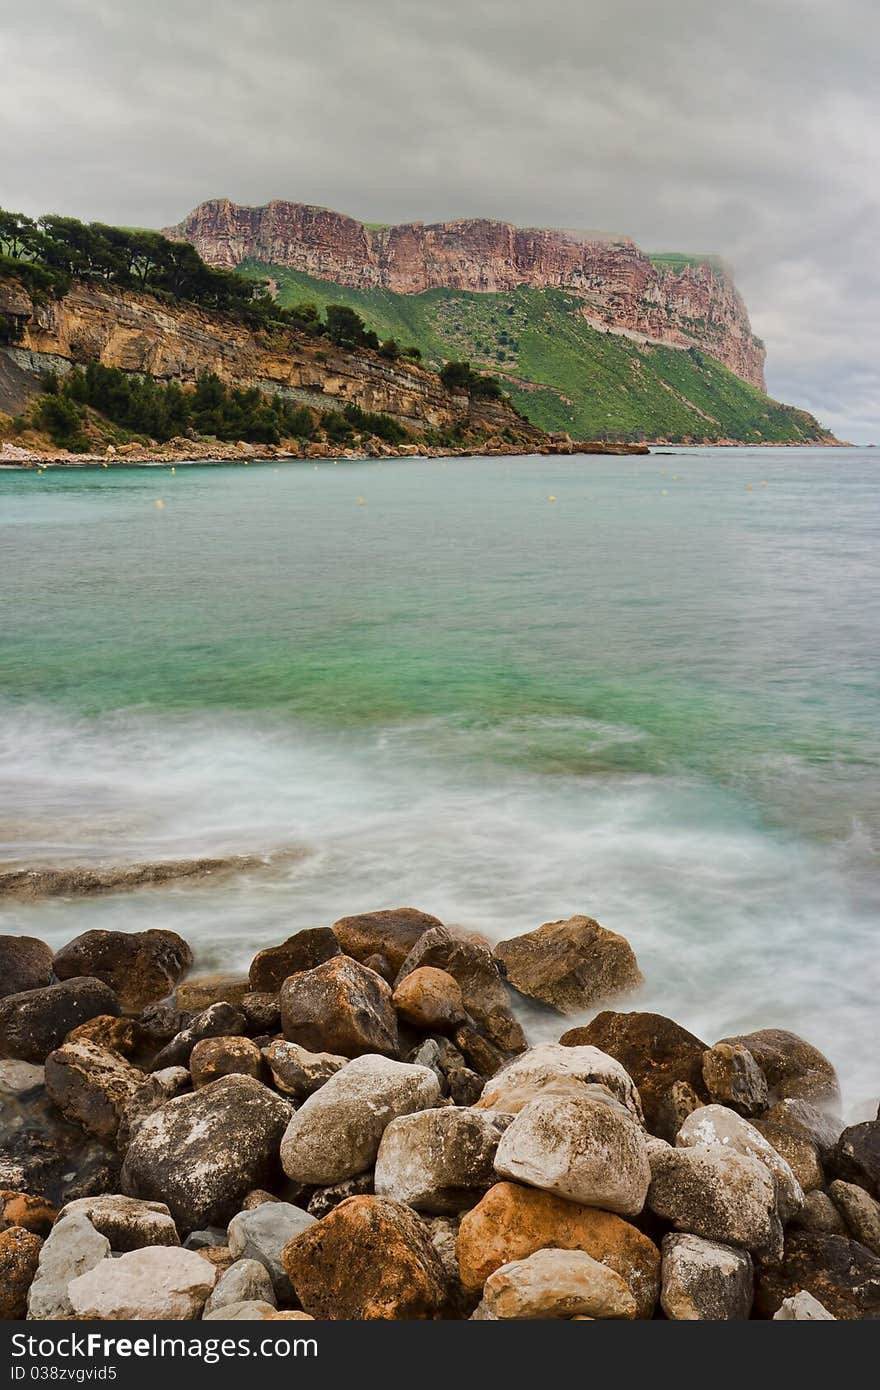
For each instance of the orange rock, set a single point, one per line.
(33, 1214)
(19, 1254)
(391, 933)
(213, 1057)
(512, 1222)
(430, 999)
(117, 1034)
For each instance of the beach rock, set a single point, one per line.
(799, 1153)
(479, 1053)
(704, 1281)
(114, 1034)
(336, 1132)
(719, 1194)
(25, 964)
(856, 1156)
(820, 1214)
(589, 1151)
(202, 1153)
(523, 1079)
(245, 1281)
(33, 1214)
(800, 1118)
(139, 967)
(557, 1284)
(439, 1161)
(511, 1222)
(262, 1012)
(215, 1057)
(340, 1007)
(159, 1023)
(860, 1213)
(464, 1085)
(262, 1233)
(41, 1153)
(733, 1078)
(154, 1284)
(270, 968)
(72, 1247)
(296, 1071)
(252, 1310)
(430, 999)
(655, 1052)
(391, 933)
(842, 1274)
(19, 1257)
(211, 1238)
(570, 965)
(370, 1259)
(793, 1068)
(382, 966)
(803, 1307)
(715, 1125)
(486, 997)
(324, 1199)
(126, 1222)
(21, 1080)
(154, 1091)
(199, 993)
(679, 1101)
(91, 1086)
(34, 1023)
(216, 1021)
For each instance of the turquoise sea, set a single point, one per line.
(654, 699)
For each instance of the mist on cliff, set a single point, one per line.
(748, 130)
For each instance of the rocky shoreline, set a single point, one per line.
(358, 1128)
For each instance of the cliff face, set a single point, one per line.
(691, 304)
(139, 334)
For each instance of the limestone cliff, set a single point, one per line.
(677, 302)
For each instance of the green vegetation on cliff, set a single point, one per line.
(562, 373)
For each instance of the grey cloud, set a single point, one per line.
(748, 129)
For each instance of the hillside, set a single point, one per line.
(560, 370)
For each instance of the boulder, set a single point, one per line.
(220, 1020)
(806, 1121)
(856, 1156)
(820, 1214)
(159, 1023)
(803, 1307)
(439, 1161)
(19, 1257)
(296, 1071)
(324, 1199)
(464, 1085)
(262, 1012)
(370, 1259)
(587, 1150)
(156, 1283)
(215, 1057)
(391, 933)
(34, 1023)
(523, 1079)
(430, 999)
(202, 1153)
(799, 1153)
(557, 1284)
(719, 1194)
(127, 1222)
(270, 968)
(221, 987)
(72, 1247)
(336, 1133)
(33, 1214)
(512, 1222)
(704, 1281)
(486, 997)
(733, 1078)
(25, 964)
(655, 1052)
(116, 1034)
(860, 1213)
(570, 965)
(91, 1086)
(262, 1233)
(244, 1281)
(716, 1125)
(842, 1274)
(478, 1052)
(151, 1094)
(41, 1153)
(339, 1007)
(793, 1068)
(140, 967)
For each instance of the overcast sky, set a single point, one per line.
(750, 128)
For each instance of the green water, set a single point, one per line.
(654, 699)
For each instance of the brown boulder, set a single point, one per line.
(843, 1275)
(733, 1078)
(303, 951)
(235, 1056)
(655, 1051)
(371, 1258)
(856, 1157)
(340, 1007)
(799, 1153)
(19, 1256)
(430, 999)
(391, 933)
(199, 993)
(25, 963)
(487, 998)
(115, 1034)
(139, 966)
(511, 1222)
(792, 1067)
(570, 965)
(91, 1086)
(34, 1214)
(32, 1024)
(220, 1020)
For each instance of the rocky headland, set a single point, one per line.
(358, 1127)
